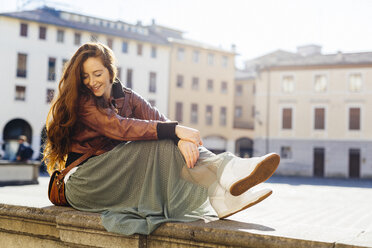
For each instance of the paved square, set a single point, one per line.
(326, 210)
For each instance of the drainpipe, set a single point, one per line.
(268, 110)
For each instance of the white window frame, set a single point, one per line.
(192, 114)
(348, 107)
(282, 84)
(60, 34)
(348, 82)
(180, 54)
(284, 158)
(235, 111)
(196, 56)
(292, 130)
(220, 117)
(224, 61)
(15, 99)
(210, 59)
(127, 47)
(222, 91)
(154, 52)
(197, 85)
(238, 93)
(212, 117)
(212, 84)
(326, 75)
(325, 130)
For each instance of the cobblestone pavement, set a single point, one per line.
(316, 209)
(336, 203)
(303, 208)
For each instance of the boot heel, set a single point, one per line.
(263, 171)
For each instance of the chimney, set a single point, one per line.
(309, 50)
(339, 56)
(233, 48)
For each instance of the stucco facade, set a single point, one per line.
(244, 112)
(202, 91)
(316, 115)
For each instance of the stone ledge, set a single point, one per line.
(63, 226)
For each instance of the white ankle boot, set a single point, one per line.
(241, 174)
(226, 204)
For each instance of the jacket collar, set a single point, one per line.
(117, 89)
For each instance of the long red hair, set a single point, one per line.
(63, 115)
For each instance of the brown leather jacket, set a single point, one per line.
(129, 118)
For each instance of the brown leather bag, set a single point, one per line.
(56, 189)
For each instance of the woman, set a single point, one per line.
(147, 170)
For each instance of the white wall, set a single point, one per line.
(34, 109)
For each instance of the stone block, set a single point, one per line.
(17, 173)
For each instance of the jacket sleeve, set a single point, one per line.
(142, 109)
(109, 124)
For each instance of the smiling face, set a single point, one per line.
(96, 77)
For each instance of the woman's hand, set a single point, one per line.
(189, 151)
(189, 134)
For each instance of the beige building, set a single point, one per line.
(201, 86)
(313, 109)
(244, 112)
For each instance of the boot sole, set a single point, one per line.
(249, 205)
(263, 171)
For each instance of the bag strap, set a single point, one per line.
(78, 161)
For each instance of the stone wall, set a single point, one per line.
(29, 227)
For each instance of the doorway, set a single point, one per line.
(319, 162)
(354, 163)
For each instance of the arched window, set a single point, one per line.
(12, 130)
(244, 147)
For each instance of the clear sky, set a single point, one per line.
(256, 27)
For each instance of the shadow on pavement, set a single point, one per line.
(231, 225)
(316, 181)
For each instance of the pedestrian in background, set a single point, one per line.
(24, 152)
(148, 170)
